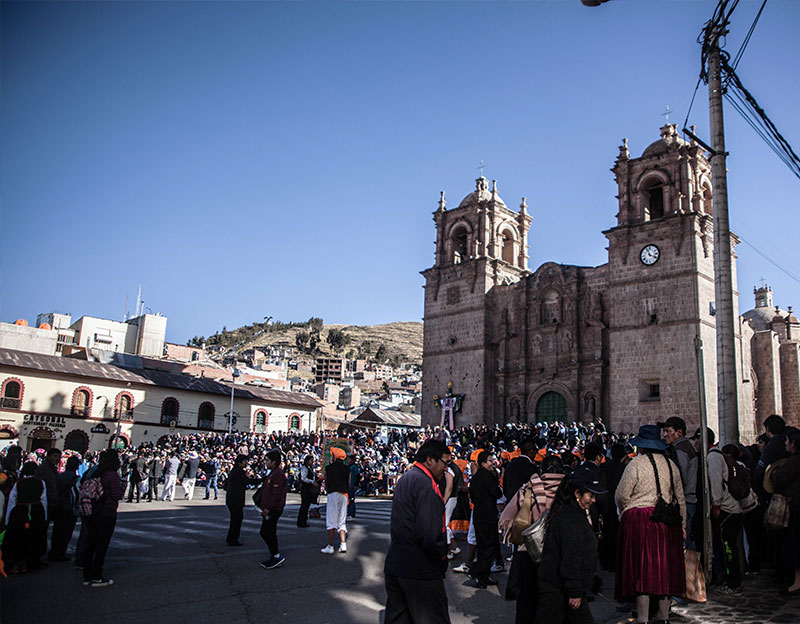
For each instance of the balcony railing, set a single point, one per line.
(10, 402)
(123, 414)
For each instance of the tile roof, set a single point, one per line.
(149, 377)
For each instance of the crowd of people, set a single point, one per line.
(571, 504)
(569, 498)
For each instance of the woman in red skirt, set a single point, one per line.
(650, 560)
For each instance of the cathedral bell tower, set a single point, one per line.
(661, 285)
(479, 244)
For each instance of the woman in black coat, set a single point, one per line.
(309, 490)
(235, 489)
(570, 552)
(26, 522)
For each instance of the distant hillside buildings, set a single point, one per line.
(94, 382)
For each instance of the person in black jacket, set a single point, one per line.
(570, 552)
(417, 558)
(65, 519)
(484, 492)
(155, 470)
(519, 469)
(234, 498)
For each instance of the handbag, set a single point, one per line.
(664, 512)
(257, 497)
(695, 579)
(523, 518)
(534, 535)
(777, 514)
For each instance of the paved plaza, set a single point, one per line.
(170, 564)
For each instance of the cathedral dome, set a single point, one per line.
(669, 137)
(762, 318)
(480, 194)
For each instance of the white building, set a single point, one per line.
(46, 401)
(54, 332)
(142, 335)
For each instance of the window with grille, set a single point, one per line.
(80, 406)
(12, 395)
(205, 416)
(169, 411)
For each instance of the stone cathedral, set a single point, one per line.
(619, 343)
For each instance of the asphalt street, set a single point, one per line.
(170, 564)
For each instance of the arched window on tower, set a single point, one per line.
(460, 245)
(707, 203)
(654, 196)
(507, 251)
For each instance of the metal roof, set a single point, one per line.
(389, 417)
(149, 377)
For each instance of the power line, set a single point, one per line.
(739, 54)
(734, 91)
(770, 260)
(750, 109)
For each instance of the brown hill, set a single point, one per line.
(399, 342)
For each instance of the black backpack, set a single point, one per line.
(738, 482)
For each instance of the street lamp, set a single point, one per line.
(230, 414)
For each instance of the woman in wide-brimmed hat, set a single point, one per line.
(650, 560)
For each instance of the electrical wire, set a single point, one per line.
(734, 91)
(739, 54)
(766, 246)
(750, 109)
(770, 260)
(688, 112)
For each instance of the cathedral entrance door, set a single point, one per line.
(551, 407)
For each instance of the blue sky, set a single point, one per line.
(251, 159)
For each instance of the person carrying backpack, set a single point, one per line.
(726, 519)
(64, 516)
(103, 518)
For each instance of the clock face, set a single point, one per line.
(649, 255)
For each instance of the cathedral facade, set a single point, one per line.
(629, 342)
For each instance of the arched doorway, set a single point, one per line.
(551, 407)
(77, 440)
(40, 438)
(118, 443)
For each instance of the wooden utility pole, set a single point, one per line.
(727, 403)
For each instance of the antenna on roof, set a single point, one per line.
(139, 301)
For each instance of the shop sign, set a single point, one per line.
(56, 423)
